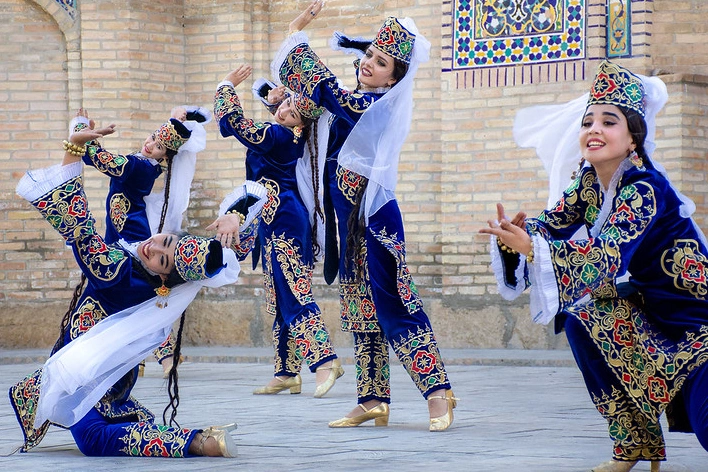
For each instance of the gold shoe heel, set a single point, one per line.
(292, 383)
(227, 446)
(381, 421)
(379, 414)
(335, 371)
(441, 423)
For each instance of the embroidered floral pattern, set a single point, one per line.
(247, 239)
(688, 268)
(127, 410)
(166, 349)
(373, 372)
(226, 102)
(119, 206)
(24, 397)
(85, 316)
(312, 339)
(348, 183)
(358, 312)
(153, 440)
(635, 436)
(650, 367)
(113, 165)
(406, 287)
(66, 209)
(418, 352)
(287, 360)
(273, 202)
(303, 71)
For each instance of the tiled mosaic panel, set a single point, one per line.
(619, 39)
(491, 33)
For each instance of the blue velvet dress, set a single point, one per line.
(285, 236)
(118, 425)
(642, 346)
(379, 272)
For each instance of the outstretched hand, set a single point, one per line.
(304, 18)
(89, 134)
(227, 228)
(239, 74)
(276, 95)
(512, 233)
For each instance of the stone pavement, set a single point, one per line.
(518, 411)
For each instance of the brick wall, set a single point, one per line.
(130, 63)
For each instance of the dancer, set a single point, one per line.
(641, 346)
(133, 212)
(287, 248)
(380, 112)
(85, 385)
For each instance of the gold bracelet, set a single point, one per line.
(529, 257)
(505, 248)
(74, 149)
(241, 216)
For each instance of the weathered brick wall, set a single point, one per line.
(130, 63)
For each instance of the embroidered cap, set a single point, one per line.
(173, 134)
(615, 85)
(198, 258)
(395, 40)
(307, 108)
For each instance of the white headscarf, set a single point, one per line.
(372, 148)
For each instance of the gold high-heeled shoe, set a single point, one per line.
(335, 371)
(293, 383)
(226, 443)
(623, 466)
(379, 414)
(441, 423)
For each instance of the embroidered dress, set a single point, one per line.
(642, 351)
(284, 233)
(398, 317)
(118, 425)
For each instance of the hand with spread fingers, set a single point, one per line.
(239, 74)
(512, 233)
(304, 18)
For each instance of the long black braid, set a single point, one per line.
(173, 376)
(314, 169)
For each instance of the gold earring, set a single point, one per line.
(297, 132)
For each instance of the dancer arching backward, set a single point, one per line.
(133, 211)
(642, 346)
(285, 233)
(86, 384)
(380, 112)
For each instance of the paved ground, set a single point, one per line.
(518, 411)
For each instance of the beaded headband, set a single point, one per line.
(615, 85)
(172, 134)
(193, 258)
(395, 40)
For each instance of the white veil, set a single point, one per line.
(373, 146)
